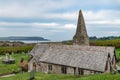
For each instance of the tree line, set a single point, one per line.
(104, 38)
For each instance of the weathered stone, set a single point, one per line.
(32, 75)
(81, 37)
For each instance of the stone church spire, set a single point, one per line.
(81, 37)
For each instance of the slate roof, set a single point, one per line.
(87, 48)
(75, 58)
(38, 50)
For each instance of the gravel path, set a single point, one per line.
(8, 75)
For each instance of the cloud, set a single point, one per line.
(16, 11)
(47, 30)
(28, 13)
(102, 15)
(40, 9)
(34, 24)
(105, 22)
(30, 8)
(55, 18)
(64, 16)
(69, 26)
(58, 10)
(1, 28)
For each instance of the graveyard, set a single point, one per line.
(12, 68)
(7, 68)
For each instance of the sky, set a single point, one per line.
(57, 19)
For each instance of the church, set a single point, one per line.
(77, 59)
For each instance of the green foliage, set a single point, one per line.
(115, 43)
(70, 42)
(118, 54)
(17, 49)
(104, 38)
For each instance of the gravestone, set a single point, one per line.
(32, 75)
(8, 60)
(6, 57)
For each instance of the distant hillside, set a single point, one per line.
(17, 38)
(104, 38)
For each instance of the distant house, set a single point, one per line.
(76, 59)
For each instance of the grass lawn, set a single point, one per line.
(42, 76)
(6, 68)
(118, 53)
(38, 76)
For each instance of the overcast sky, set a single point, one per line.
(57, 19)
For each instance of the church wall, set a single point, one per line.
(31, 67)
(56, 69)
(87, 72)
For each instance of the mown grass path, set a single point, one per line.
(42, 76)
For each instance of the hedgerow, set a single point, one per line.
(115, 43)
(15, 49)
